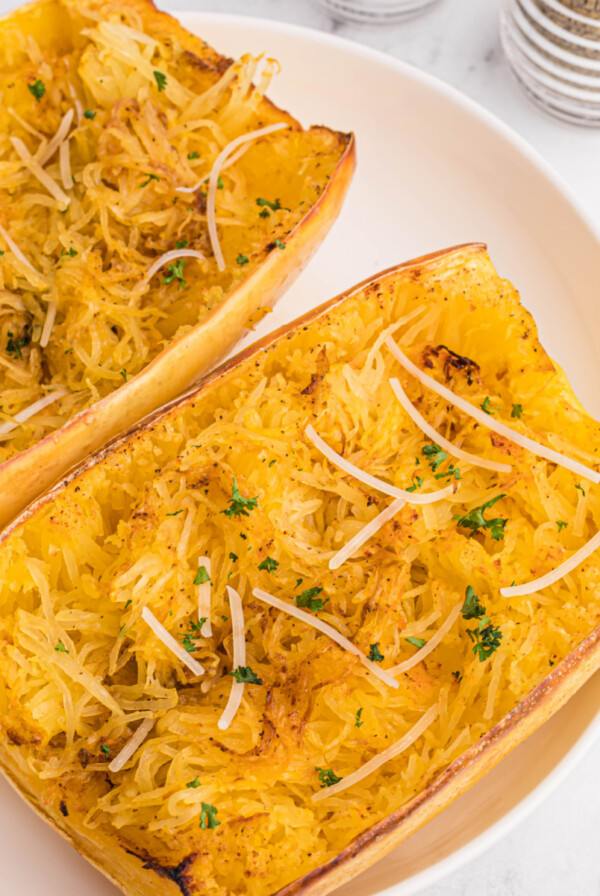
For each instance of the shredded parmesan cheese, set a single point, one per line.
(377, 761)
(56, 141)
(433, 434)
(239, 657)
(64, 155)
(133, 744)
(48, 324)
(556, 574)
(170, 643)
(366, 532)
(17, 252)
(328, 630)
(32, 409)
(433, 642)
(213, 179)
(385, 487)
(489, 421)
(37, 171)
(204, 599)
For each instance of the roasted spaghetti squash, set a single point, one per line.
(152, 201)
(258, 640)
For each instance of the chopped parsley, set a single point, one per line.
(242, 259)
(471, 608)
(128, 604)
(475, 520)
(233, 557)
(264, 203)
(375, 655)
(269, 565)
(89, 114)
(193, 155)
(37, 89)
(279, 244)
(327, 776)
(71, 252)
(358, 721)
(208, 813)
(434, 454)
(271, 463)
(487, 407)
(416, 484)
(561, 525)
(104, 749)
(161, 80)
(417, 642)
(175, 270)
(188, 641)
(310, 599)
(238, 505)
(123, 373)
(517, 410)
(201, 576)
(451, 471)
(299, 582)
(579, 485)
(149, 178)
(487, 638)
(14, 346)
(245, 675)
(60, 648)
(265, 213)
(180, 244)
(191, 785)
(175, 512)
(458, 676)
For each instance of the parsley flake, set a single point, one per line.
(104, 749)
(475, 520)
(265, 213)
(269, 565)
(471, 608)
(245, 675)
(233, 557)
(175, 512)
(310, 599)
(451, 471)
(416, 484)
(13, 347)
(193, 155)
(208, 816)
(242, 259)
(89, 114)
(123, 373)
(201, 576)
(37, 89)
(175, 270)
(327, 776)
(561, 525)
(60, 648)
(180, 244)
(417, 642)
(487, 407)
(358, 721)
(279, 244)
(375, 654)
(579, 485)
(188, 641)
(264, 203)
(487, 638)
(191, 785)
(458, 676)
(238, 505)
(149, 178)
(517, 410)
(434, 454)
(161, 80)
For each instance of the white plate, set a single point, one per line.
(434, 170)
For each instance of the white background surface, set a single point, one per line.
(556, 851)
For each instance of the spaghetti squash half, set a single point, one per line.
(152, 202)
(254, 643)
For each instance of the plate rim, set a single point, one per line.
(466, 854)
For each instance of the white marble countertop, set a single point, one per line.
(555, 851)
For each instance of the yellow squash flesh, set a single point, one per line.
(82, 319)
(130, 528)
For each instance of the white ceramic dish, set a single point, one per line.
(434, 170)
